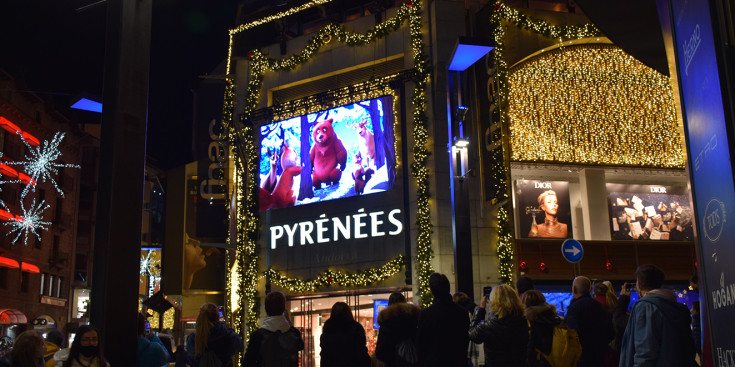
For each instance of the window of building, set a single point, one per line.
(25, 281)
(55, 247)
(43, 284)
(59, 286)
(50, 285)
(3, 277)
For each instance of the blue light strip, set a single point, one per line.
(88, 105)
(466, 55)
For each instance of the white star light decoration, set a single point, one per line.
(149, 265)
(30, 223)
(41, 163)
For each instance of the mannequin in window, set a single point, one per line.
(551, 227)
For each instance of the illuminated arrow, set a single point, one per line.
(573, 250)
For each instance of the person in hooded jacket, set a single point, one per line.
(343, 340)
(276, 343)
(505, 334)
(658, 332)
(397, 323)
(212, 336)
(542, 317)
(54, 340)
(28, 350)
(86, 349)
(151, 352)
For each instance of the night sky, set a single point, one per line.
(58, 52)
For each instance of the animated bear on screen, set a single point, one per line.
(283, 194)
(328, 155)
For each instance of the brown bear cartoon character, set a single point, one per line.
(328, 155)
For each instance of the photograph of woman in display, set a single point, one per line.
(551, 227)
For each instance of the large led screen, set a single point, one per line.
(341, 152)
(543, 209)
(650, 212)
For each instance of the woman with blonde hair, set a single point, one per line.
(505, 333)
(212, 339)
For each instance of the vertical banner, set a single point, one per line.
(709, 166)
(211, 199)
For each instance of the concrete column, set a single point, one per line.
(593, 195)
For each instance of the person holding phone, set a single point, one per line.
(151, 351)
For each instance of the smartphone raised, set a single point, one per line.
(486, 291)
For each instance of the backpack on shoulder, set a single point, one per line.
(565, 348)
(272, 353)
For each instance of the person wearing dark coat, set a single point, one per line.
(180, 357)
(620, 317)
(442, 337)
(505, 334)
(343, 341)
(542, 318)
(212, 335)
(592, 323)
(398, 323)
(276, 342)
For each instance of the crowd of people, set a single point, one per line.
(520, 329)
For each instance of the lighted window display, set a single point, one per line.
(543, 209)
(650, 212)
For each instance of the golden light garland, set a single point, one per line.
(335, 277)
(247, 213)
(278, 16)
(592, 104)
(502, 13)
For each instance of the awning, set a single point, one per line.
(9, 263)
(11, 316)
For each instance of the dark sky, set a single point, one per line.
(59, 52)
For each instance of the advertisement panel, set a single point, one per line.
(650, 212)
(710, 167)
(542, 209)
(329, 189)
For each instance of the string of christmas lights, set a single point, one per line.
(278, 16)
(247, 213)
(592, 104)
(502, 13)
(335, 277)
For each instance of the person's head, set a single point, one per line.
(523, 284)
(208, 316)
(341, 310)
(55, 336)
(532, 298)
(548, 202)
(648, 277)
(28, 349)
(464, 301)
(611, 296)
(87, 344)
(581, 286)
(275, 303)
(438, 284)
(396, 297)
(600, 289)
(504, 302)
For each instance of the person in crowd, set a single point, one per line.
(505, 334)
(28, 350)
(54, 342)
(167, 341)
(592, 322)
(398, 323)
(620, 317)
(473, 350)
(697, 327)
(600, 291)
(523, 284)
(442, 337)
(343, 341)
(542, 318)
(86, 349)
(611, 296)
(212, 339)
(181, 358)
(276, 343)
(658, 332)
(151, 352)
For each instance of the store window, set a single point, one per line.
(309, 314)
(25, 281)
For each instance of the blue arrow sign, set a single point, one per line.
(572, 250)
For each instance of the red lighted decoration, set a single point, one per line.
(24, 178)
(608, 263)
(542, 266)
(5, 215)
(6, 170)
(30, 139)
(7, 125)
(29, 268)
(8, 263)
(523, 265)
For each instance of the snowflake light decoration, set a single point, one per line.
(30, 223)
(149, 264)
(41, 162)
